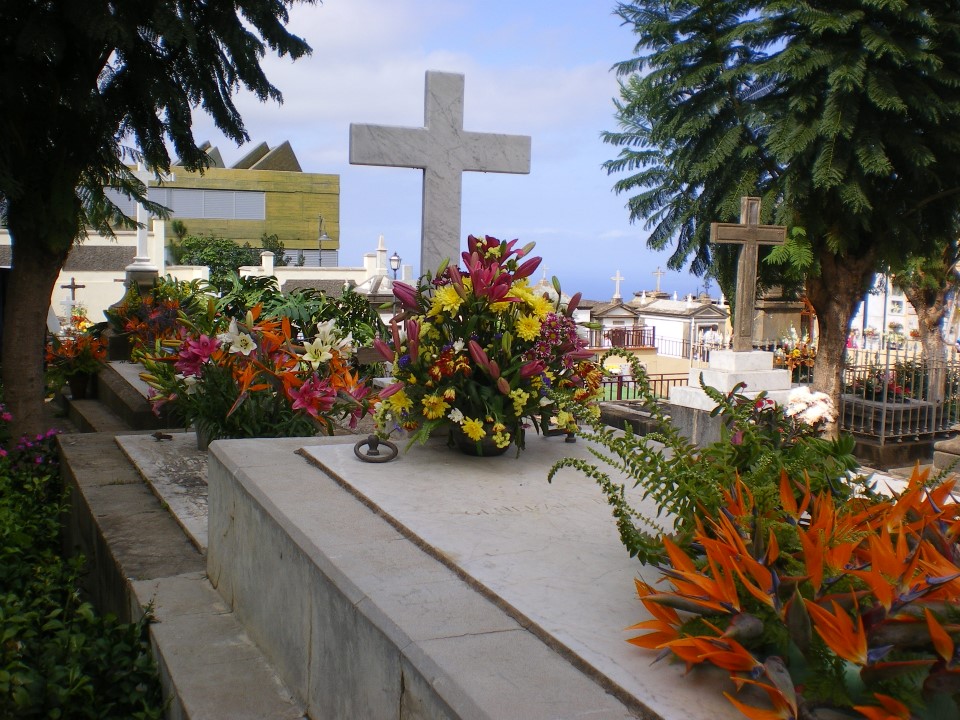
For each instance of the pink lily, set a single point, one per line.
(527, 268)
(406, 294)
(413, 338)
(534, 367)
(390, 390)
(386, 352)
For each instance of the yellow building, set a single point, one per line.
(264, 192)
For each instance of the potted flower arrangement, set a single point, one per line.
(254, 380)
(138, 321)
(477, 354)
(75, 359)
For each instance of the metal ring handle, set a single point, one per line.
(373, 454)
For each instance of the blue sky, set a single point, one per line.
(532, 67)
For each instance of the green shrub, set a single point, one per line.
(757, 443)
(58, 657)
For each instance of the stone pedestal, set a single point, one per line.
(690, 406)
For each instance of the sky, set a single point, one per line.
(531, 67)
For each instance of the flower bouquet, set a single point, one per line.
(479, 355)
(74, 359)
(254, 380)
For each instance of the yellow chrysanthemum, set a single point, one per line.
(528, 327)
(501, 440)
(446, 299)
(400, 401)
(500, 307)
(540, 306)
(473, 429)
(434, 406)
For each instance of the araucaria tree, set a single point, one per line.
(843, 115)
(87, 87)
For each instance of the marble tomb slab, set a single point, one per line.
(549, 554)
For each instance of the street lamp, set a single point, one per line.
(395, 264)
(323, 237)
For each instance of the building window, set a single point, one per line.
(896, 307)
(189, 203)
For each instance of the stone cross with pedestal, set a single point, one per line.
(691, 406)
(750, 234)
(444, 151)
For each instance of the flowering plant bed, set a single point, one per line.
(781, 565)
(478, 349)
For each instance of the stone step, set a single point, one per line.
(120, 389)
(91, 416)
(138, 556)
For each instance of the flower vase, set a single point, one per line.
(79, 385)
(484, 447)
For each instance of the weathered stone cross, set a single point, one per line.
(73, 287)
(749, 233)
(444, 150)
(617, 279)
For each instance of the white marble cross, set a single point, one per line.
(142, 261)
(444, 151)
(750, 234)
(616, 287)
(658, 273)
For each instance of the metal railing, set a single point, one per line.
(898, 394)
(893, 395)
(624, 387)
(632, 337)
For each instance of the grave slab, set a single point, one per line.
(176, 472)
(502, 595)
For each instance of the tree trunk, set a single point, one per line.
(834, 294)
(42, 237)
(931, 306)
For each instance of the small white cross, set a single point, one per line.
(616, 291)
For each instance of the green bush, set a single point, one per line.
(58, 657)
(758, 442)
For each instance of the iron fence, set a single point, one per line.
(624, 387)
(889, 395)
(898, 394)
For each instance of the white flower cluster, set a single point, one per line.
(810, 407)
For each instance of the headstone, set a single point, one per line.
(658, 273)
(690, 405)
(444, 151)
(750, 234)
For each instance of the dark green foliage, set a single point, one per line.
(842, 115)
(88, 88)
(224, 257)
(273, 244)
(58, 658)
(304, 307)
